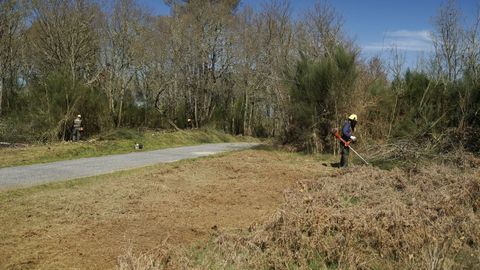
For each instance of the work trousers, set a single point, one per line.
(344, 152)
(75, 134)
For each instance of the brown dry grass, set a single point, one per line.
(87, 224)
(362, 218)
(217, 213)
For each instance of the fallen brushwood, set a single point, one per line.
(11, 145)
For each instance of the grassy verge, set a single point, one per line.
(89, 223)
(116, 142)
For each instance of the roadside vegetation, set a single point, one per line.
(116, 142)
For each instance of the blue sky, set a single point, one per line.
(375, 25)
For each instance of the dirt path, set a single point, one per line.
(87, 224)
(22, 176)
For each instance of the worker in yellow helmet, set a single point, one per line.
(347, 136)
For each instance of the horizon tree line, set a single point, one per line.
(228, 66)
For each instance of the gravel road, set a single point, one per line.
(30, 175)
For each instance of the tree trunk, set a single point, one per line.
(173, 125)
(245, 115)
(250, 118)
(195, 111)
(120, 107)
(1, 95)
(119, 118)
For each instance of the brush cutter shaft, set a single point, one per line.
(358, 155)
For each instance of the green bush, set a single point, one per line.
(51, 104)
(317, 89)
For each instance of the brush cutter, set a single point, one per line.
(337, 134)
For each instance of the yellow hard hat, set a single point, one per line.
(353, 117)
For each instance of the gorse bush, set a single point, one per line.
(319, 92)
(430, 109)
(55, 100)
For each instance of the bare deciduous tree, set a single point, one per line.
(65, 41)
(122, 33)
(324, 27)
(448, 40)
(12, 18)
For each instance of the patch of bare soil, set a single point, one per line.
(87, 225)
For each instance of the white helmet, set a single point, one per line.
(79, 116)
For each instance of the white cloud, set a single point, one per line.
(406, 40)
(422, 34)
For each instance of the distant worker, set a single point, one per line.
(347, 136)
(77, 128)
(189, 123)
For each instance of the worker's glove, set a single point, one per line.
(347, 144)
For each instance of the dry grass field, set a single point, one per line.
(88, 223)
(255, 209)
